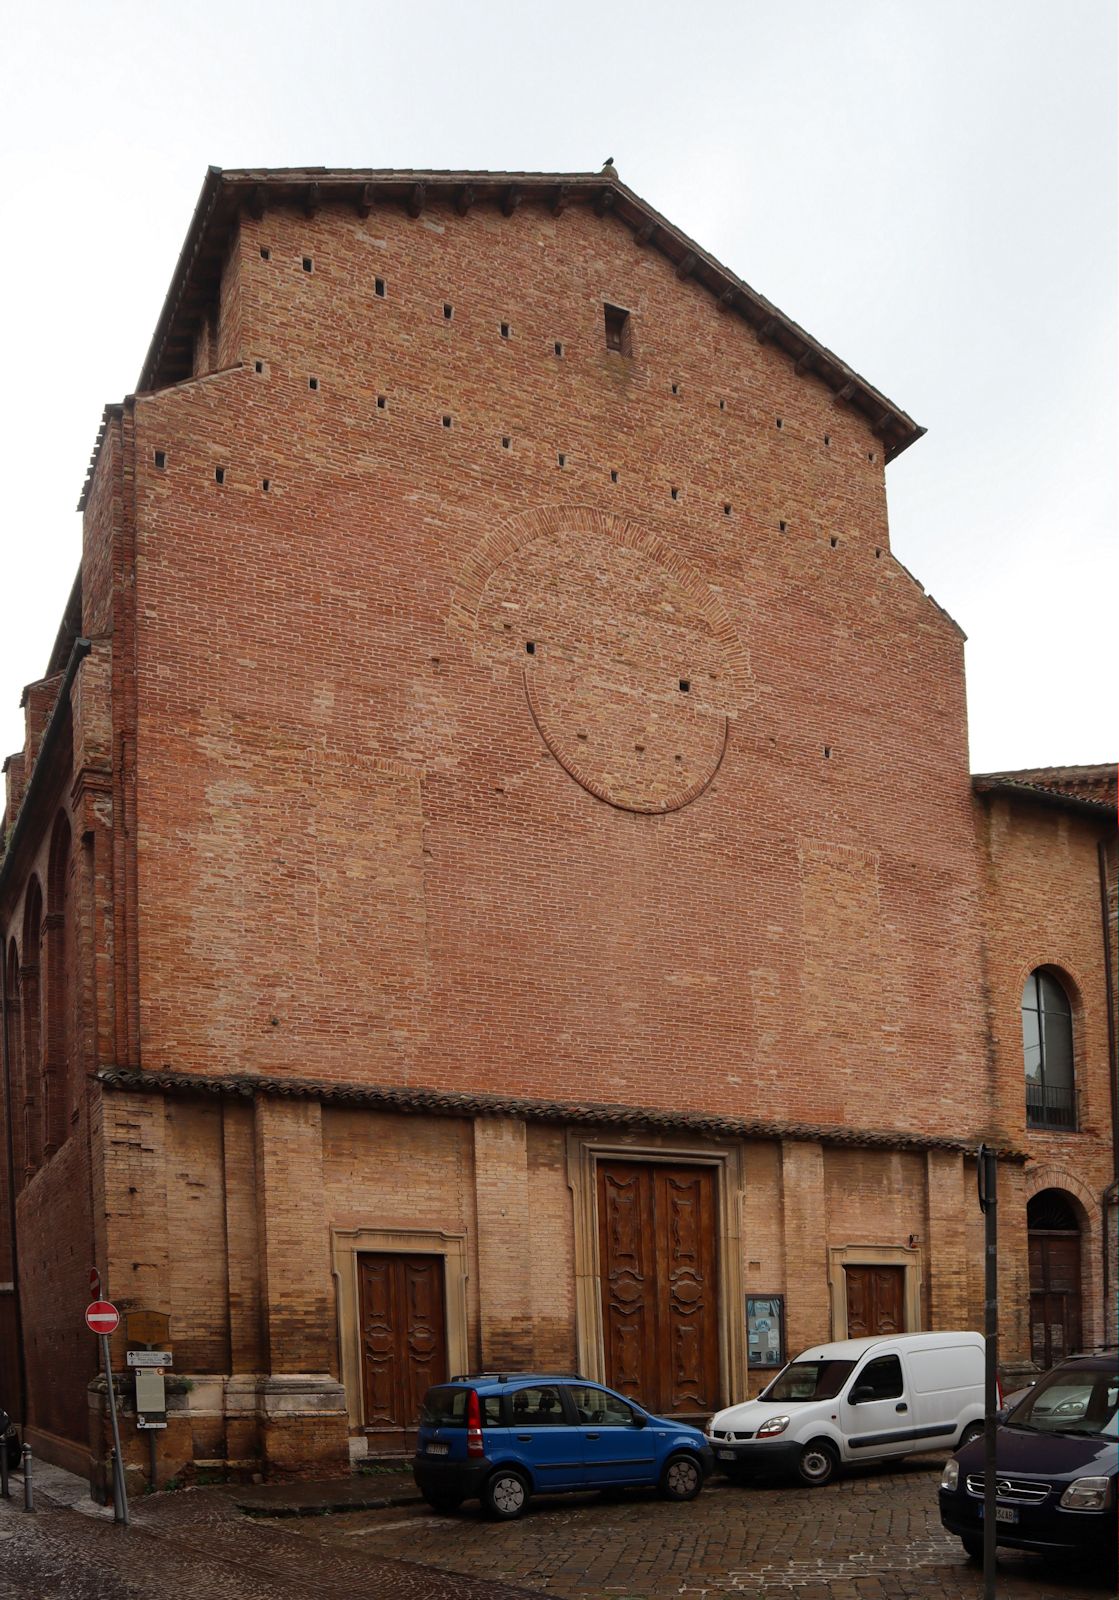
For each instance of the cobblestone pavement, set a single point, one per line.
(874, 1536)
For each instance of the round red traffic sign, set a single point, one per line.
(102, 1316)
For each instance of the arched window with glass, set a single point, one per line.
(1047, 1042)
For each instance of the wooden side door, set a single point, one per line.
(875, 1301)
(403, 1335)
(659, 1283)
(1054, 1296)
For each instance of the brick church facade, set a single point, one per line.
(493, 875)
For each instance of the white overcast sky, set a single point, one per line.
(928, 186)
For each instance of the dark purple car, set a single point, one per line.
(1057, 1459)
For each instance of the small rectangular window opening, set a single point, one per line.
(870, 455)
(312, 383)
(685, 685)
(382, 402)
(827, 752)
(219, 474)
(379, 288)
(558, 347)
(780, 422)
(562, 459)
(617, 330)
(676, 388)
(722, 405)
(827, 440)
(161, 459)
(506, 442)
(613, 475)
(530, 647)
(676, 494)
(308, 264)
(878, 555)
(505, 330)
(448, 311)
(784, 527)
(834, 542)
(446, 422)
(266, 484)
(726, 508)
(258, 366)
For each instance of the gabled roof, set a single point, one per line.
(224, 193)
(1093, 789)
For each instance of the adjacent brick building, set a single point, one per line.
(493, 875)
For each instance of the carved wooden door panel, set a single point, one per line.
(403, 1335)
(659, 1284)
(875, 1301)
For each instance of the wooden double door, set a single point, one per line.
(1054, 1296)
(659, 1283)
(875, 1301)
(403, 1336)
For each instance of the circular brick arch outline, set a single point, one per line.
(508, 537)
(503, 543)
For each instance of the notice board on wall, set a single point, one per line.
(765, 1330)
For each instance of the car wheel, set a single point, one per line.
(505, 1494)
(817, 1463)
(974, 1430)
(443, 1502)
(682, 1478)
(973, 1544)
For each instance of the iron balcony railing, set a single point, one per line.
(1048, 1107)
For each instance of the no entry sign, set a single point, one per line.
(102, 1316)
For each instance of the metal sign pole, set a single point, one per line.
(988, 1201)
(120, 1494)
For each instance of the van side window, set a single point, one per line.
(883, 1376)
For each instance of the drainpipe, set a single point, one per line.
(5, 1005)
(1109, 1195)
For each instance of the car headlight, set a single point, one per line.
(1086, 1494)
(950, 1477)
(773, 1426)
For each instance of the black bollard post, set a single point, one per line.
(28, 1486)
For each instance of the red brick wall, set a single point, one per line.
(1043, 909)
(324, 746)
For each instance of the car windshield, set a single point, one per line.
(1081, 1402)
(809, 1380)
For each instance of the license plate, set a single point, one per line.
(1002, 1513)
(725, 1455)
(438, 1449)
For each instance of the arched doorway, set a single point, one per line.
(1054, 1235)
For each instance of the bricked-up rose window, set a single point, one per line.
(617, 330)
(1047, 1044)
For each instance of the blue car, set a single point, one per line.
(503, 1437)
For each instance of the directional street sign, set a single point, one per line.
(149, 1358)
(102, 1316)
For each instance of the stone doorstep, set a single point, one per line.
(362, 1492)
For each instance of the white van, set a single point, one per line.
(858, 1400)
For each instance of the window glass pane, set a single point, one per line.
(1029, 993)
(1053, 996)
(1058, 1051)
(883, 1376)
(491, 1411)
(1031, 1043)
(595, 1405)
(537, 1405)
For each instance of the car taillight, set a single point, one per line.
(474, 1445)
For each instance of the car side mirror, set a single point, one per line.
(640, 1420)
(859, 1394)
(1002, 1413)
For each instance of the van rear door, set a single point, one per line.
(875, 1409)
